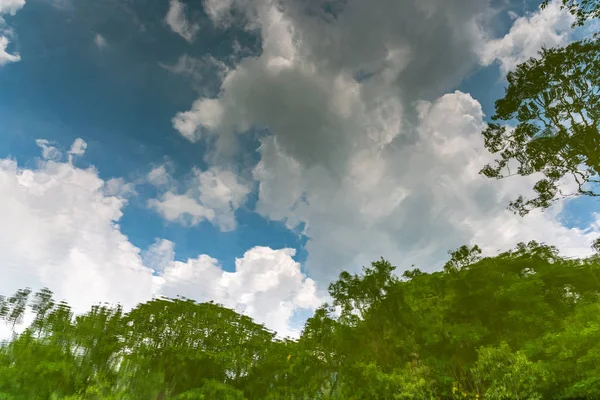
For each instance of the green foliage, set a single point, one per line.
(522, 325)
(212, 390)
(555, 100)
(506, 375)
(12, 309)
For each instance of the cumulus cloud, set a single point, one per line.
(212, 195)
(549, 27)
(181, 208)
(9, 7)
(362, 152)
(119, 187)
(179, 23)
(78, 147)
(309, 62)
(159, 176)
(5, 56)
(267, 284)
(60, 230)
(409, 204)
(49, 152)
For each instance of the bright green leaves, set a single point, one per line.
(501, 374)
(455, 323)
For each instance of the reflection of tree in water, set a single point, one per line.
(555, 101)
(523, 324)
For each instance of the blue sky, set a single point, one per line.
(120, 101)
(117, 73)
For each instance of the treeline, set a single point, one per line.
(521, 325)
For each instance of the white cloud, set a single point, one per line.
(178, 22)
(119, 187)
(549, 27)
(409, 204)
(5, 56)
(217, 10)
(304, 78)
(48, 152)
(205, 114)
(364, 165)
(222, 191)
(181, 208)
(77, 148)
(212, 195)
(100, 40)
(159, 255)
(60, 230)
(159, 176)
(267, 284)
(9, 7)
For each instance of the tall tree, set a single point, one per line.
(555, 101)
(42, 304)
(13, 309)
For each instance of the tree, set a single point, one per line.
(596, 245)
(41, 306)
(462, 257)
(13, 308)
(181, 344)
(524, 324)
(555, 100)
(355, 294)
(502, 374)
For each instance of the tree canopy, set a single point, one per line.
(554, 100)
(547, 122)
(524, 324)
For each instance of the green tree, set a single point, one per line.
(41, 306)
(555, 100)
(501, 374)
(12, 309)
(524, 324)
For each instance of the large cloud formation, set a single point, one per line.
(60, 230)
(361, 150)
